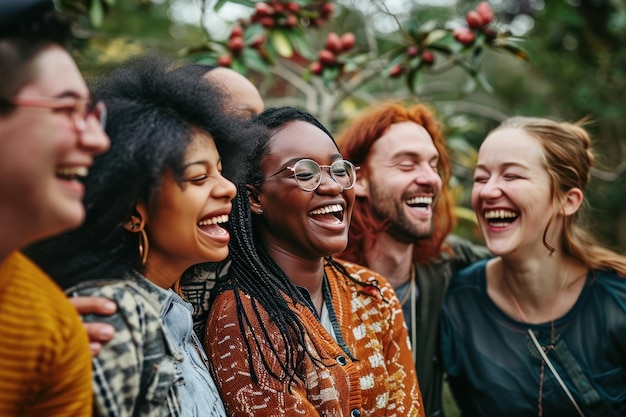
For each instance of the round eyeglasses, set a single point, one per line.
(79, 109)
(308, 174)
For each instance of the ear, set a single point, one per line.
(362, 186)
(137, 221)
(571, 203)
(253, 197)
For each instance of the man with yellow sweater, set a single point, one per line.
(49, 133)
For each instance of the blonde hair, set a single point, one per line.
(569, 158)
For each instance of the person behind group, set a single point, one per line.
(552, 301)
(292, 330)
(49, 134)
(402, 221)
(240, 99)
(156, 204)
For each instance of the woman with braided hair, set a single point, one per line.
(293, 331)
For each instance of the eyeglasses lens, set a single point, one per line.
(308, 174)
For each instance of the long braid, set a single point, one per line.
(255, 274)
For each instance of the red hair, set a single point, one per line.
(355, 143)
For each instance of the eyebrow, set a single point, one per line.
(507, 165)
(201, 162)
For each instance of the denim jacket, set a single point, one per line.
(137, 374)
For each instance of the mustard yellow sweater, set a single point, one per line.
(45, 363)
(381, 382)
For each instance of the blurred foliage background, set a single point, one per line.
(560, 59)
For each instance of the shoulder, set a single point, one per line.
(610, 281)
(469, 277)
(366, 276)
(465, 252)
(27, 292)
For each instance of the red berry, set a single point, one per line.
(279, 7)
(484, 10)
(293, 7)
(267, 22)
(236, 45)
(224, 60)
(464, 36)
(327, 10)
(333, 43)
(412, 51)
(474, 20)
(258, 41)
(291, 22)
(396, 71)
(428, 57)
(348, 40)
(236, 32)
(316, 67)
(326, 57)
(263, 9)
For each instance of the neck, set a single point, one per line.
(303, 272)
(536, 290)
(391, 259)
(162, 272)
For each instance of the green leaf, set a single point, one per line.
(485, 83)
(239, 66)
(298, 40)
(254, 62)
(415, 77)
(435, 36)
(329, 75)
(517, 51)
(281, 44)
(221, 3)
(464, 213)
(96, 13)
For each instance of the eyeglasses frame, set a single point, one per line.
(293, 173)
(82, 108)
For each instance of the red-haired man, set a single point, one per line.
(402, 221)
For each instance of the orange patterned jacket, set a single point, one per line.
(380, 382)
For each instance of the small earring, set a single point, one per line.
(259, 210)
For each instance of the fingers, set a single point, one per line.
(94, 305)
(99, 333)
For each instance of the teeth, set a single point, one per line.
(328, 209)
(71, 172)
(420, 200)
(214, 220)
(500, 214)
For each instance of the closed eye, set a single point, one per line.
(198, 179)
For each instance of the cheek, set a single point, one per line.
(475, 195)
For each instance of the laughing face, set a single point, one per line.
(185, 223)
(402, 184)
(44, 153)
(512, 192)
(310, 224)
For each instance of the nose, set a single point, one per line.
(427, 176)
(488, 190)
(93, 138)
(328, 185)
(224, 188)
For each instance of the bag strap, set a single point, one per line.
(555, 373)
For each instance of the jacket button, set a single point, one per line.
(341, 360)
(355, 413)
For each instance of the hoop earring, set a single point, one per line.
(143, 247)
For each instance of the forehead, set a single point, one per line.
(404, 138)
(55, 75)
(511, 146)
(299, 139)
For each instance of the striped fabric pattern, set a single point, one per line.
(45, 363)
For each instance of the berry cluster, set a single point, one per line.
(477, 20)
(335, 46)
(428, 58)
